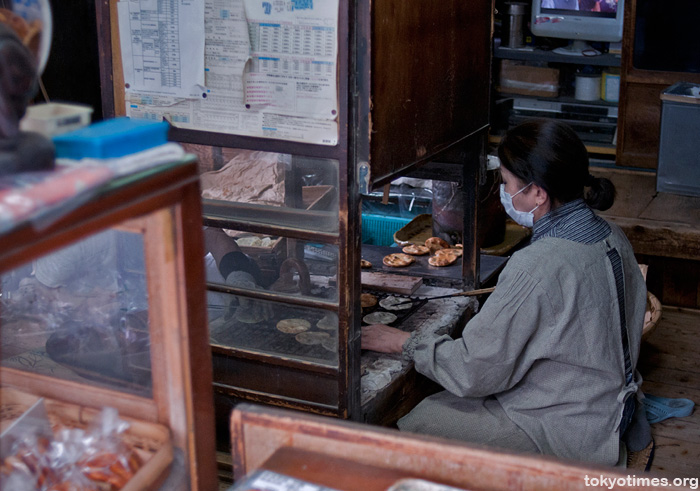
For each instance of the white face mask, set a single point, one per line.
(524, 218)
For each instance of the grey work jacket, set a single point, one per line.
(547, 344)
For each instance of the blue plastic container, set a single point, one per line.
(380, 229)
(111, 138)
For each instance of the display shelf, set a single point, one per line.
(595, 121)
(561, 99)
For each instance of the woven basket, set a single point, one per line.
(650, 322)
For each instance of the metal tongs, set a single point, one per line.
(471, 293)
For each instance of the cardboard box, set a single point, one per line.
(518, 78)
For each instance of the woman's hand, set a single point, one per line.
(384, 339)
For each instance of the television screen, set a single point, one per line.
(596, 8)
(581, 21)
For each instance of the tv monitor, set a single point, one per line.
(579, 21)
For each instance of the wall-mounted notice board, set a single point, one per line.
(241, 67)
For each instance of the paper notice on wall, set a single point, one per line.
(293, 57)
(307, 113)
(216, 114)
(162, 46)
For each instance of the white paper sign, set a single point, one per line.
(293, 57)
(162, 46)
(243, 95)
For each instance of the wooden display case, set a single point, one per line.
(412, 98)
(346, 456)
(102, 306)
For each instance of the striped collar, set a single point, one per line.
(574, 221)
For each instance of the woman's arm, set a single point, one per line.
(384, 339)
(498, 344)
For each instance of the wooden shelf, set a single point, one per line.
(567, 107)
(530, 54)
(596, 148)
(563, 99)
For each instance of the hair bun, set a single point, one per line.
(602, 193)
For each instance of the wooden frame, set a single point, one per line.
(167, 206)
(259, 436)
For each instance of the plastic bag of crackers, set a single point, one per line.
(72, 459)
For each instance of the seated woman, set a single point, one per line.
(548, 364)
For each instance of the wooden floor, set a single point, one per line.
(670, 365)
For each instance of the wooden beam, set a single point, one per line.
(666, 239)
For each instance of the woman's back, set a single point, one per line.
(572, 368)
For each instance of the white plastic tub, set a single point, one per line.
(54, 118)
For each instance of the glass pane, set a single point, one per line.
(301, 333)
(275, 264)
(273, 188)
(81, 313)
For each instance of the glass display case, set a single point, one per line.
(282, 187)
(102, 306)
(81, 314)
(272, 237)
